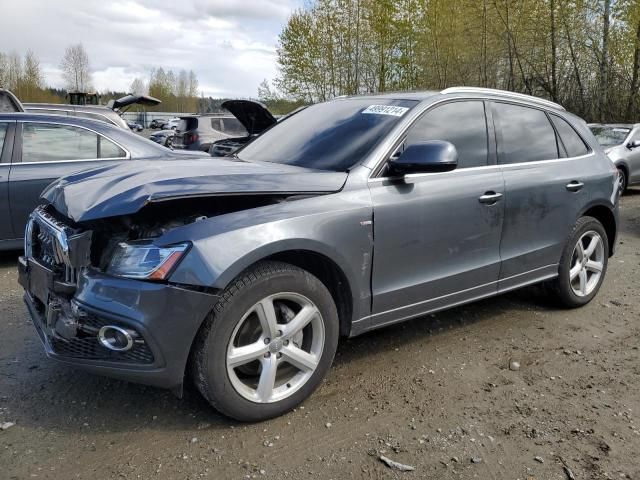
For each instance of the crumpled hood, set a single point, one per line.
(125, 188)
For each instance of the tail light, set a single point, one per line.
(192, 138)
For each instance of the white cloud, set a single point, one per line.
(230, 44)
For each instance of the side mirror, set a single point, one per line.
(426, 157)
(634, 144)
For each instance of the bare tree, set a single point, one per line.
(76, 69)
(31, 75)
(138, 87)
(604, 61)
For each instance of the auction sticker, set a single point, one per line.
(386, 110)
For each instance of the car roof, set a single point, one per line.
(475, 92)
(417, 95)
(82, 121)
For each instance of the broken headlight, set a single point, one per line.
(143, 260)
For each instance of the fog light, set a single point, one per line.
(116, 338)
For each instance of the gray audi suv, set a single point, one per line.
(242, 273)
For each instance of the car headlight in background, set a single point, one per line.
(143, 260)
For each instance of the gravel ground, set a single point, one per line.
(435, 393)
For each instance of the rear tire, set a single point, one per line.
(583, 264)
(267, 344)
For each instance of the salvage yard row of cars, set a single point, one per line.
(242, 272)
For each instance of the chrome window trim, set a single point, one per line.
(64, 124)
(417, 112)
(506, 165)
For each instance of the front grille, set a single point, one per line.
(46, 240)
(87, 346)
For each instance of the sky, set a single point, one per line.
(229, 44)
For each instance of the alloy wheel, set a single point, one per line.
(275, 347)
(587, 264)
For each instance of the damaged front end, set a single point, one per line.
(98, 300)
(55, 255)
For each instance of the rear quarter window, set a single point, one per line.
(573, 143)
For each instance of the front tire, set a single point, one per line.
(624, 181)
(267, 344)
(583, 264)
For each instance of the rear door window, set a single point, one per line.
(525, 134)
(573, 143)
(187, 124)
(43, 142)
(461, 123)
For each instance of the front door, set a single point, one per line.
(47, 152)
(437, 235)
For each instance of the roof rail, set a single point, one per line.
(504, 93)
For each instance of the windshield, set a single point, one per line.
(610, 136)
(329, 136)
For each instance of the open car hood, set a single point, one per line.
(131, 99)
(254, 116)
(125, 188)
(9, 103)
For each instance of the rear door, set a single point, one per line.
(46, 151)
(545, 190)
(6, 146)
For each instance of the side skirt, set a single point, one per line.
(452, 300)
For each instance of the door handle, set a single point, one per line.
(575, 186)
(489, 198)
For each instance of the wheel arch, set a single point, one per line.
(346, 278)
(330, 274)
(607, 218)
(623, 165)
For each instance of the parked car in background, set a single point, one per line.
(163, 137)
(136, 127)
(157, 123)
(364, 212)
(109, 114)
(254, 117)
(201, 132)
(621, 142)
(36, 149)
(171, 124)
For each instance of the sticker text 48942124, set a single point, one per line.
(386, 110)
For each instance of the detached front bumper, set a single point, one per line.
(162, 318)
